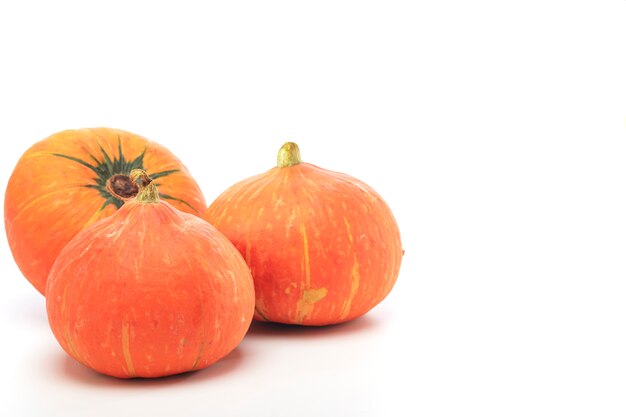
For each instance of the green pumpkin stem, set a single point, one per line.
(148, 192)
(288, 155)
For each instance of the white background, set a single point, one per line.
(494, 130)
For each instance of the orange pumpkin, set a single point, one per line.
(149, 291)
(66, 182)
(323, 247)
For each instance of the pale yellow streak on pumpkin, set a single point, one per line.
(46, 153)
(254, 187)
(307, 194)
(350, 238)
(191, 261)
(224, 210)
(68, 337)
(126, 348)
(285, 173)
(309, 296)
(290, 221)
(238, 198)
(267, 181)
(37, 200)
(218, 220)
(306, 266)
(307, 261)
(355, 276)
(260, 307)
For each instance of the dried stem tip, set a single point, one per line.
(288, 155)
(148, 192)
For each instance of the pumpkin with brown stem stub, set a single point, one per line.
(71, 179)
(323, 247)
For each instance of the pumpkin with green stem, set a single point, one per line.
(71, 179)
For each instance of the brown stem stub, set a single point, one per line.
(122, 187)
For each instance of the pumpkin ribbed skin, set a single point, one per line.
(323, 247)
(149, 292)
(57, 189)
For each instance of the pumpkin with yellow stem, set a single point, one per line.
(323, 246)
(149, 291)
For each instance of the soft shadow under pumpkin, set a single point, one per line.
(365, 324)
(71, 369)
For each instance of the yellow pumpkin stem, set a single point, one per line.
(148, 192)
(288, 155)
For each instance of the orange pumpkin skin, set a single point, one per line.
(323, 247)
(54, 191)
(149, 292)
